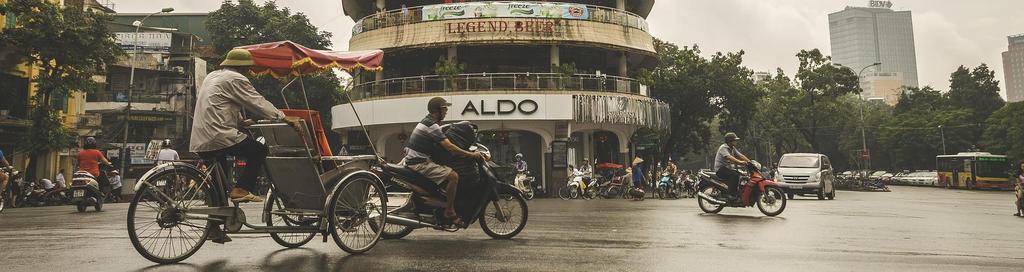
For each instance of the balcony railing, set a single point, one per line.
(415, 15)
(497, 82)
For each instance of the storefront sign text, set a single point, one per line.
(531, 26)
(502, 107)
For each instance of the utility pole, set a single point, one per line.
(131, 87)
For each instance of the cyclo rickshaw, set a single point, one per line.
(311, 192)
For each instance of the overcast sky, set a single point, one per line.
(947, 33)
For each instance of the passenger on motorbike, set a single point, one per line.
(89, 160)
(521, 166)
(428, 140)
(588, 172)
(725, 159)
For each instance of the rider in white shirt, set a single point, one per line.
(166, 153)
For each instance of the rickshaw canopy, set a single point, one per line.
(284, 58)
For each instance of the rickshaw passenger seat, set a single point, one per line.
(318, 136)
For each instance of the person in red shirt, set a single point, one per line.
(89, 158)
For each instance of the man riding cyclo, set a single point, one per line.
(727, 157)
(428, 140)
(217, 127)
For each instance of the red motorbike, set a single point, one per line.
(755, 189)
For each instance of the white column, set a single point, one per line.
(555, 56)
(620, 4)
(623, 62)
(453, 53)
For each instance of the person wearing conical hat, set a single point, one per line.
(638, 173)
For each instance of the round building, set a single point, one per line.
(555, 81)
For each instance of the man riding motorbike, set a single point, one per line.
(727, 156)
(521, 166)
(428, 140)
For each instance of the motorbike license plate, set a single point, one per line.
(79, 193)
(161, 182)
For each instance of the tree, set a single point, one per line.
(246, 23)
(69, 46)
(698, 90)
(821, 84)
(975, 90)
(1004, 131)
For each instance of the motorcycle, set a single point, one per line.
(9, 195)
(754, 189)
(667, 187)
(572, 189)
(687, 186)
(500, 208)
(33, 194)
(524, 183)
(85, 191)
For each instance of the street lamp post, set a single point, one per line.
(943, 135)
(863, 137)
(131, 87)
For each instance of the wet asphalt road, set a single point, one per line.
(909, 229)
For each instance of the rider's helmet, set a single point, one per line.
(89, 143)
(729, 137)
(166, 143)
(519, 156)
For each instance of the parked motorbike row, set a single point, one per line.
(616, 185)
(23, 193)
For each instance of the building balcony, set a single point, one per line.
(497, 82)
(601, 27)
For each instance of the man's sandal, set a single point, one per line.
(247, 198)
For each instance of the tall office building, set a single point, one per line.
(861, 36)
(1013, 68)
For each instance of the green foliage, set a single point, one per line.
(246, 23)
(68, 46)
(565, 70)
(976, 90)
(700, 89)
(449, 69)
(816, 104)
(1004, 131)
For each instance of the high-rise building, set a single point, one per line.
(862, 36)
(1013, 68)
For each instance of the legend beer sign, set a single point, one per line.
(518, 26)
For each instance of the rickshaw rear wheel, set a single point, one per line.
(354, 203)
(288, 240)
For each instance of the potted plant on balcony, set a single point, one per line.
(564, 72)
(448, 70)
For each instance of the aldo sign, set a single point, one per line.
(500, 107)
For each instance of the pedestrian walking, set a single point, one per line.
(115, 186)
(1019, 189)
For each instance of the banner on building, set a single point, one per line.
(609, 109)
(138, 152)
(146, 42)
(505, 10)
